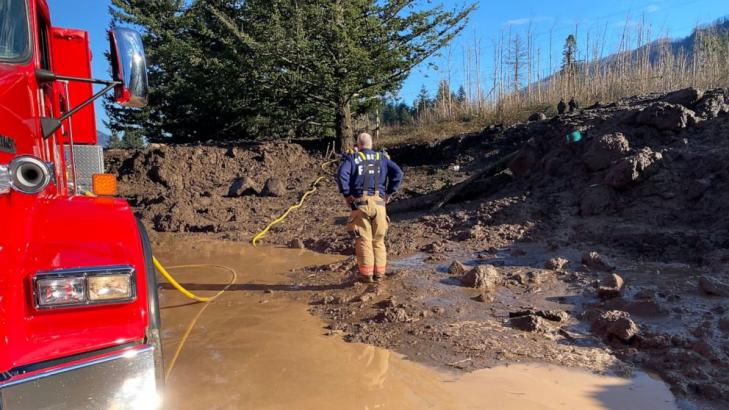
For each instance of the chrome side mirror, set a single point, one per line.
(129, 67)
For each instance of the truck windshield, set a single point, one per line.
(14, 40)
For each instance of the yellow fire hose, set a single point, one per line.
(206, 300)
(298, 205)
(187, 293)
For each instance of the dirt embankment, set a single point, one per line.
(647, 186)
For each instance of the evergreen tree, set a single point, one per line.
(226, 69)
(461, 96)
(569, 54)
(422, 101)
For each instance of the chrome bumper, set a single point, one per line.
(119, 380)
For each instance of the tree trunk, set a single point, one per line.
(345, 138)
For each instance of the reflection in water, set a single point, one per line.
(375, 363)
(252, 349)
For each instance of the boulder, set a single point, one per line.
(611, 287)
(712, 104)
(714, 286)
(484, 277)
(633, 169)
(623, 328)
(604, 150)
(596, 199)
(274, 187)
(457, 268)
(393, 315)
(686, 97)
(664, 116)
(242, 186)
(556, 264)
(529, 323)
(595, 261)
(537, 116)
(613, 323)
(434, 247)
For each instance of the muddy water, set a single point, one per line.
(258, 347)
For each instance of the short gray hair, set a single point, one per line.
(364, 140)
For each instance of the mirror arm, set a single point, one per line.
(51, 125)
(45, 76)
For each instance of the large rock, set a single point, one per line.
(633, 169)
(611, 287)
(274, 187)
(712, 104)
(665, 116)
(686, 97)
(595, 261)
(714, 286)
(529, 323)
(484, 277)
(604, 150)
(242, 186)
(613, 323)
(457, 268)
(556, 264)
(596, 199)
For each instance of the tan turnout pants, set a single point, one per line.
(368, 224)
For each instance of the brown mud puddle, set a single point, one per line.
(258, 347)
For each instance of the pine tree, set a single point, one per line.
(461, 96)
(569, 53)
(343, 54)
(422, 101)
(227, 69)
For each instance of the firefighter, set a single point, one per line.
(561, 106)
(367, 180)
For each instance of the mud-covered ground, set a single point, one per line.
(646, 188)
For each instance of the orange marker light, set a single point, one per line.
(104, 184)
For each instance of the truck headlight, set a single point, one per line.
(60, 291)
(84, 286)
(6, 182)
(110, 287)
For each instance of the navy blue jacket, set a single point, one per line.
(351, 182)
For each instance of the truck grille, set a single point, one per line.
(89, 160)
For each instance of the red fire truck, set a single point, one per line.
(79, 319)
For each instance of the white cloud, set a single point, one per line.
(652, 8)
(517, 22)
(526, 20)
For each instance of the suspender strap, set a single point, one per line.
(371, 169)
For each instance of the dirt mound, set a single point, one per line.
(648, 176)
(233, 189)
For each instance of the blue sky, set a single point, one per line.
(674, 18)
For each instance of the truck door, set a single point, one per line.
(49, 99)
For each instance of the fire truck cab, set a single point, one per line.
(79, 318)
